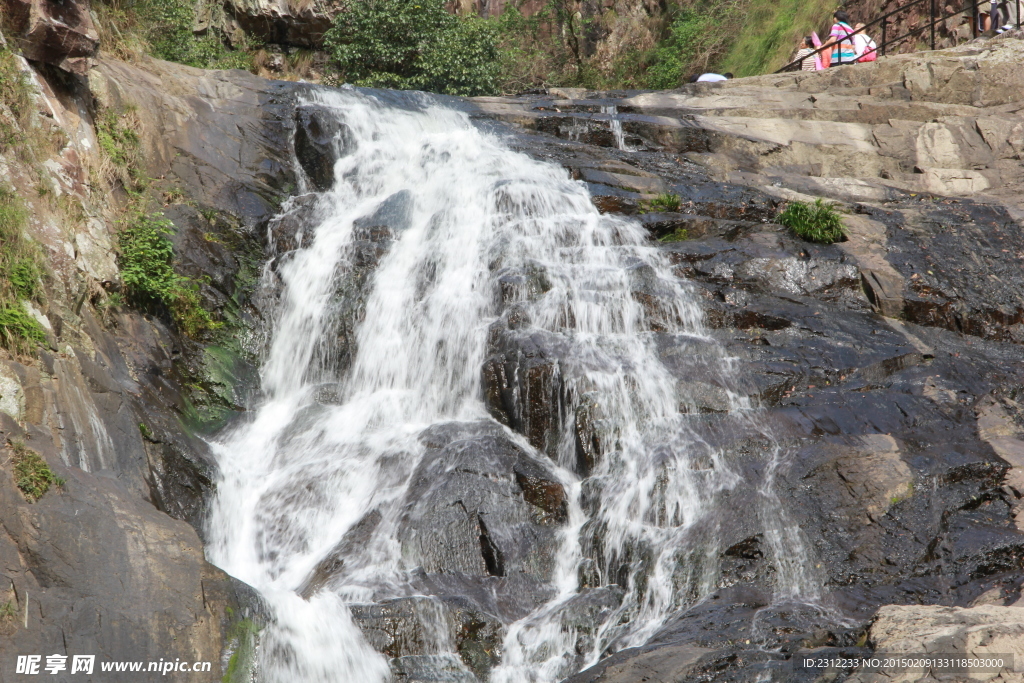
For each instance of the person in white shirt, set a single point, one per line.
(863, 46)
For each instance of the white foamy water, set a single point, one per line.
(329, 442)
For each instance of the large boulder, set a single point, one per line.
(284, 22)
(976, 632)
(55, 32)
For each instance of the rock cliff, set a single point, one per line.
(888, 366)
(115, 401)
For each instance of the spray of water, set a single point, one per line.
(330, 441)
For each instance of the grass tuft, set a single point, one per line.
(818, 222)
(31, 473)
(677, 235)
(15, 101)
(21, 277)
(662, 203)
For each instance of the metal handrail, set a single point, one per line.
(880, 49)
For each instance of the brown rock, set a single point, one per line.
(54, 32)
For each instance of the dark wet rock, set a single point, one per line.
(542, 490)
(466, 511)
(424, 627)
(293, 227)
(320, 140)
(118, 590)
(430, 669)
(372, 238)
(53, 32)
(333, 563)
(523, 387)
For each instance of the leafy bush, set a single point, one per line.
(414, 45)
(817, 222)
(689, 34)
(150, 281)
(31, 473)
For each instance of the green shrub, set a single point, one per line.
(31, 473)
(690, 33)
(7, 612)
(817, 222)
(149, 278)
(116, 132)
(414, 45)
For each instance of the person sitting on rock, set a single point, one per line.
(805, 54)
(863, 46)
(840, 41)
(713, 78)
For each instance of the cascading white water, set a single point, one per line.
(615, 125)
(304, 470)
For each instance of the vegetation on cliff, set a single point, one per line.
(22, 269)
(146, 257)
(165, 29)
(818, 222)
(420, 45)
(31, 473)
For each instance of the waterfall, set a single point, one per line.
(616, 126)
(334, 439)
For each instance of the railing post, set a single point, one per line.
(932, 12)
(882, 46)
(1018, 14)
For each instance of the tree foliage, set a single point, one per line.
(414, 45)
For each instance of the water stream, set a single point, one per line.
(329, 442)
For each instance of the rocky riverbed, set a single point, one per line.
(887, 368)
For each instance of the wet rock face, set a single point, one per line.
(54, 32)
(320, 139)
(887, 367)
(479, 505)
(116, 399)
(116, 591)
(480, 523)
